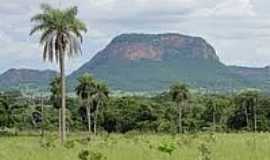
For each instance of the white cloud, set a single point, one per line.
(235, 8)
(229, 8)
(230, 25)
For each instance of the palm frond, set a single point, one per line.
(61, 31)
(74, 45)
(46, 35)
(46, 7)
(39, 17)
(39, 28)
(57, 56)
(79, 25)
(71, 12)
(51, 50)
(45, 51)
(77, 33)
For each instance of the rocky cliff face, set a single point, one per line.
(131, 47)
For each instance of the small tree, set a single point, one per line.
(85, 90)
(11, 112)
(101, 96)
(180, 94)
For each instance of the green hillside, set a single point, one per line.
(180, 58)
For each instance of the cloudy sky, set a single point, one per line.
(238, 29)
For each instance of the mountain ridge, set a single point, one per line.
(148, 62)
(16, 78)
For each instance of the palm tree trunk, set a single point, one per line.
(88, 110)
(255, 115)
(246, 114)
(180, 129)
(59, 121)
(96, 117)
(214, 117)
(43, 117)
(63, 97)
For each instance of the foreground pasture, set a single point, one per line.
(243, 146)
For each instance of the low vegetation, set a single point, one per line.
(140, 147)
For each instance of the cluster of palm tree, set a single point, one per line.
(92, 93)
(61, 37)
(249, 107)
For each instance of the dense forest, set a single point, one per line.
(95, 110)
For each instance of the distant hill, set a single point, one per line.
(141, 62)
(26, 78)
(256, 77)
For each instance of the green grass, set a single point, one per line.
(243, 146)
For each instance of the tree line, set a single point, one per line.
(93, 109)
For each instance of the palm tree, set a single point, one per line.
(61, 36)
(211, 105)
(180, 94)
(249, 100)
(100, 97)
(85, 90)
(55, 88)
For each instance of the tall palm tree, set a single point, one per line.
(85, 90)
(61, 36)
(180, 94)
(101, 96)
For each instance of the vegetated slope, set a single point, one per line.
(141, 62)
(257, 77)
(22, 78)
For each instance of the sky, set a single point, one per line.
(239, 30)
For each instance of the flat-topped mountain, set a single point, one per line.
(130, 47)
(152, 62)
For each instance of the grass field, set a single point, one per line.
(243, 146)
